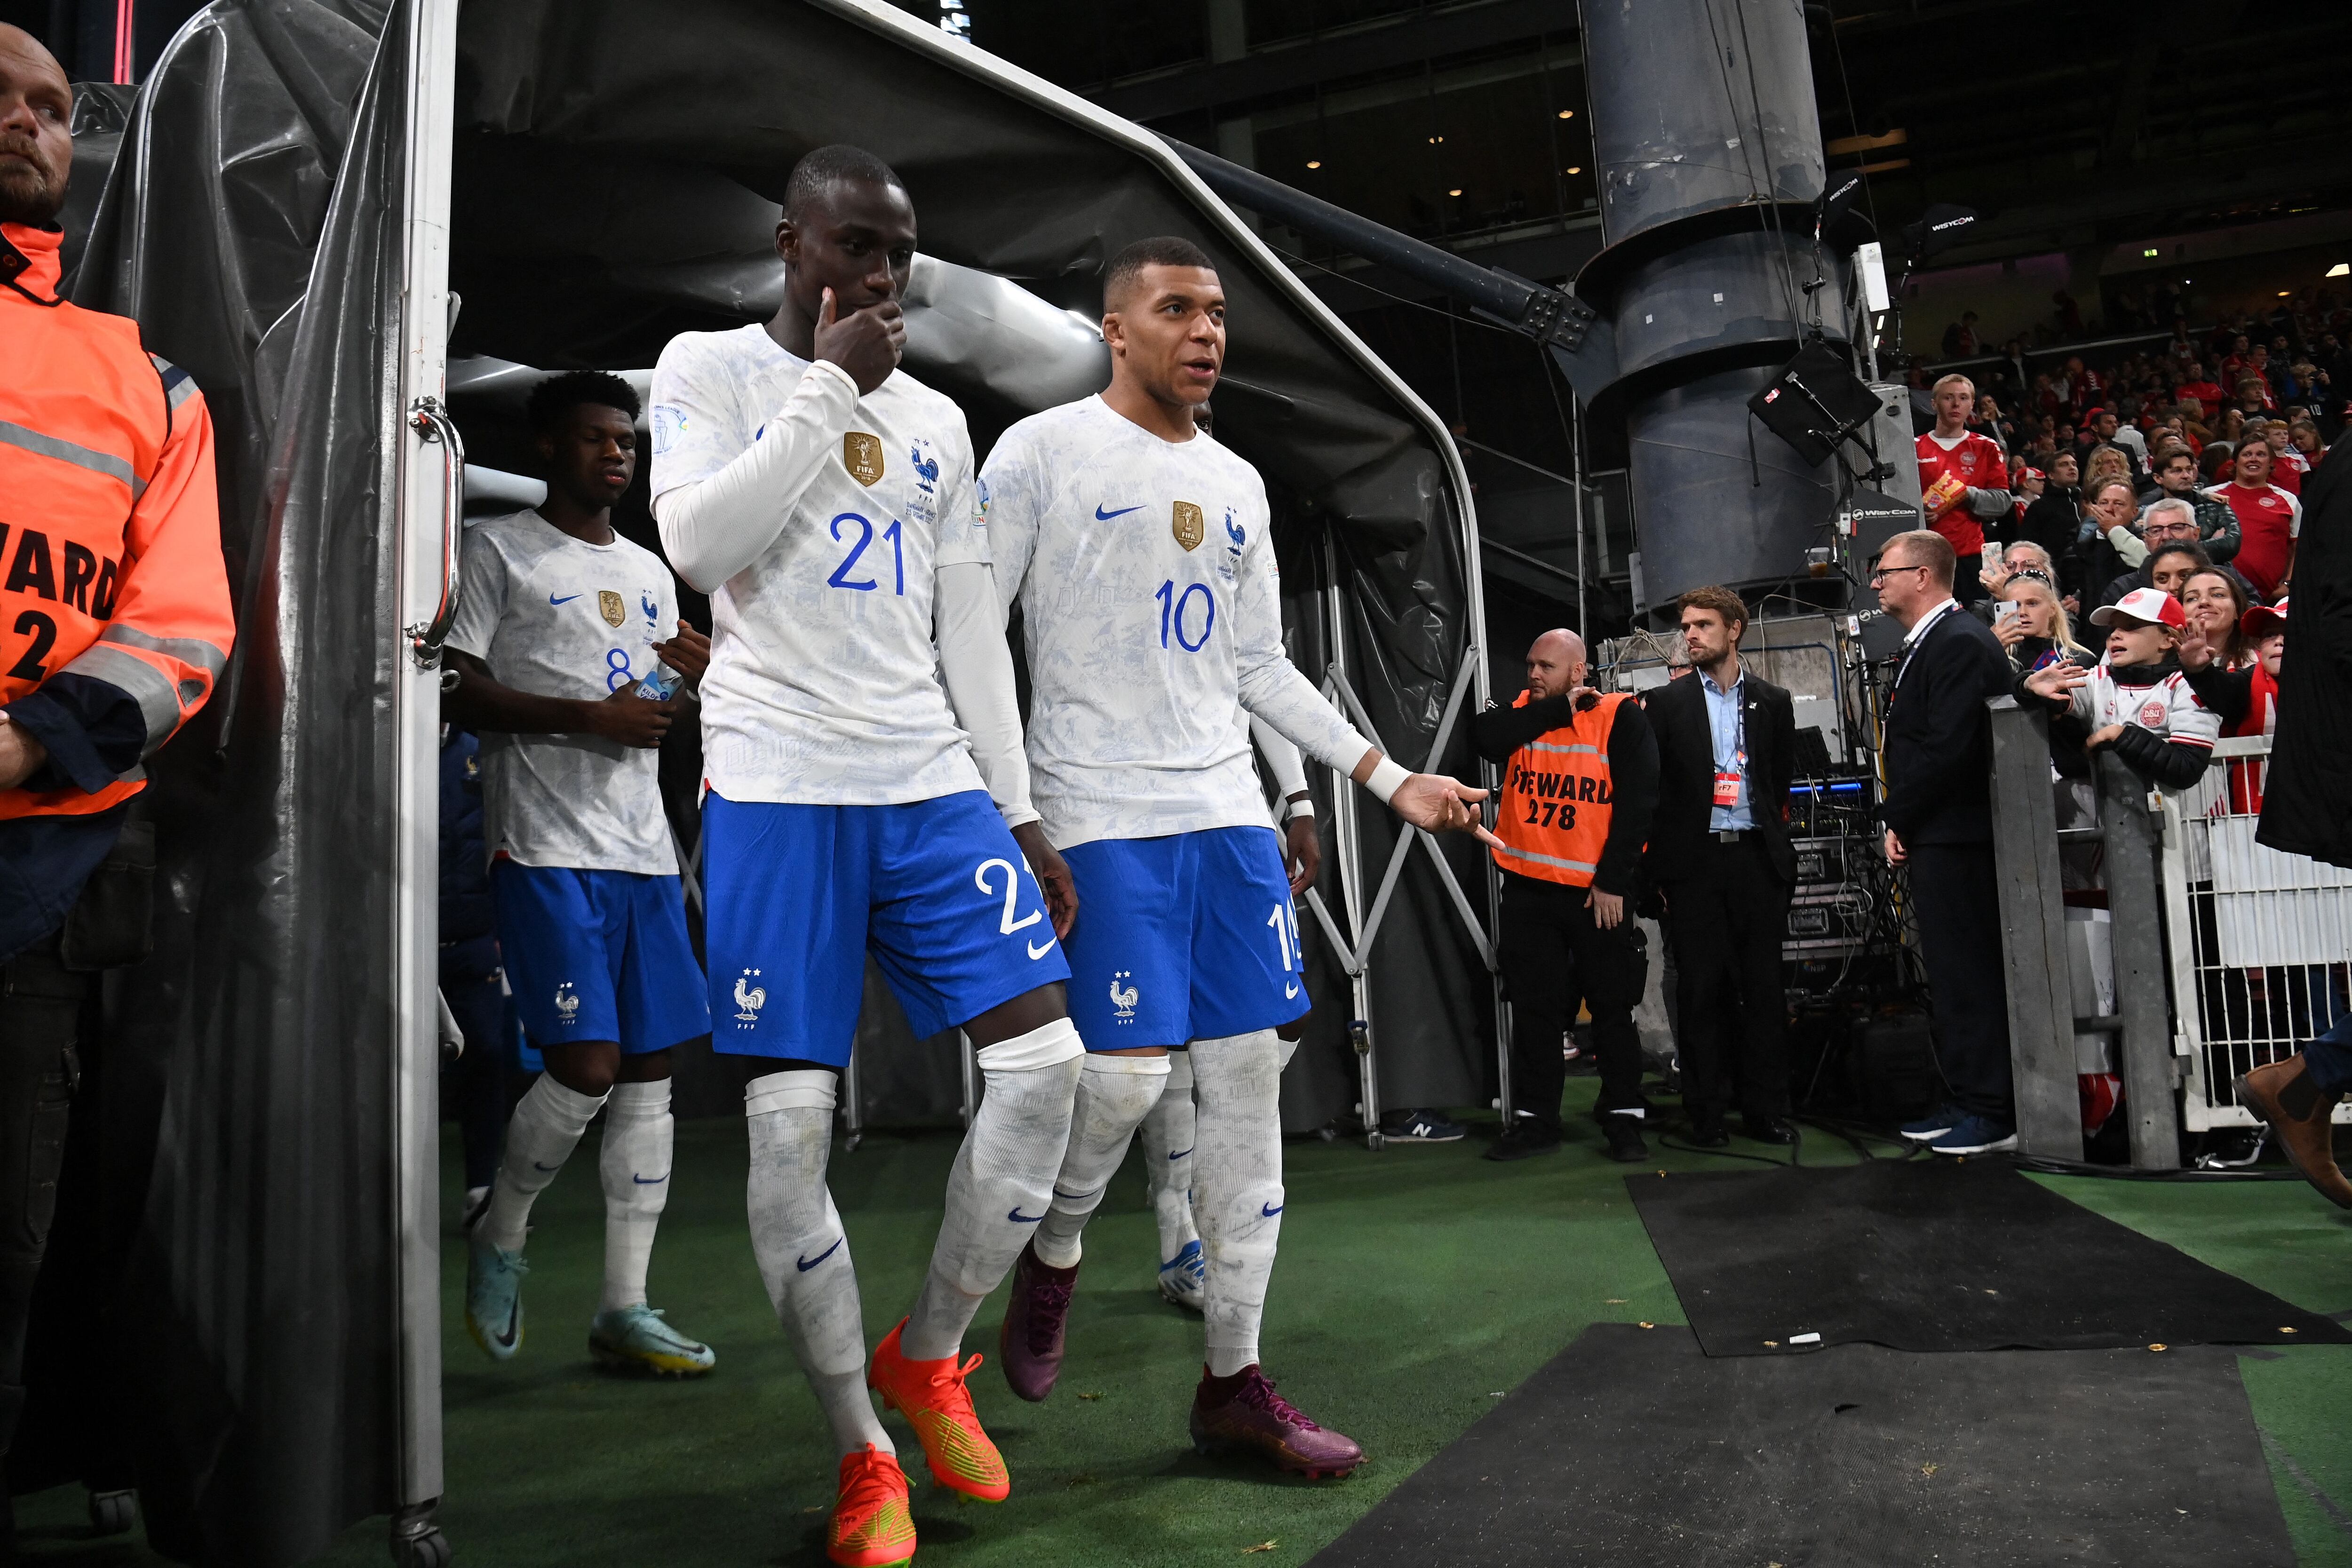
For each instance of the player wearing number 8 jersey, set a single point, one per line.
(559, 618)
(1138, 548)
(827, 503)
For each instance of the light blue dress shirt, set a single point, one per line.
(1724, 721)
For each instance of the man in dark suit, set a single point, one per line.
(1939, 816)
(1719, 854)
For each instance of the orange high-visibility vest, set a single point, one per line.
(110, 525)
(1557, 799)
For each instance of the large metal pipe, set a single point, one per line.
(1709, 158)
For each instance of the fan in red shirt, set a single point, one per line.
(2268, 519)
(1963, 482)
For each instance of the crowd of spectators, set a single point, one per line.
(2190, 455)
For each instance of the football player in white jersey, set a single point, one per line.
(559, 618)
(828, 503)
(1137, 549)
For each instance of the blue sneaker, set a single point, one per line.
(1973, 1134)
(1932, 1126)
(1184, 1279)
(494, 1297)
(1422, 1127)
(634, 1339)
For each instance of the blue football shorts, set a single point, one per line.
(1188, 937)
(798, 894)
(598, 956)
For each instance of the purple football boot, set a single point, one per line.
(1257, 1419)
(1029, 1346)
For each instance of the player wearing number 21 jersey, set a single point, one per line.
(1138, 548)
(865, 793)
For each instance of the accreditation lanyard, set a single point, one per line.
(1727, 780)
(1912, 651)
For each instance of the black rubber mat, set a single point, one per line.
(1634, 1449)
(1936, 1255)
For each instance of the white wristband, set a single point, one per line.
(1294, 809)
(1387, 778)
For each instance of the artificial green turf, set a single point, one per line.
(1414, 1286)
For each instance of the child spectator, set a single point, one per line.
(2137, 700)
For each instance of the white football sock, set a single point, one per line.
(1167, 1139)
(1004, 1176)
(1115, 1096)
(540, 1135)
(802, 1253)
(635, 1163)
(1237, 1187)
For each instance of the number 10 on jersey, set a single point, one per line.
(1177, 613)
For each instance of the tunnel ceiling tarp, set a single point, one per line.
(616, 170)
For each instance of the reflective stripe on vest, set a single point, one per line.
(1557, 798)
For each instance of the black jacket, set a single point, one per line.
(1687, 773)
(2308, 801)
(1939, 736)
(1632, 776)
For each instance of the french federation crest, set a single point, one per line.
(1188, 525)
(862, 455)
(615, 607)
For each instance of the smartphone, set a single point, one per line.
(2002, 610)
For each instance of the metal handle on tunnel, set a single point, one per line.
(432, 422)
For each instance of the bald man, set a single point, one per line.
(1580, 781)
(114, 621)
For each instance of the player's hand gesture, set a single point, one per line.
(629, 719)
(1435, 803)
(688, 653)
(866, 343)
(1052, 876)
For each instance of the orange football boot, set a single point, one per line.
(872, 1525)
(933, 1396)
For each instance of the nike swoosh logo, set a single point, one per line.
(1289, 989)
(650, 1181)
(1017, 1218)
(1036, 951)
(553, 600)
(1269, 1210)
(506, 1341)
(808, 1263)
(1102, 516)
(1180, 1153)
(537, 1166)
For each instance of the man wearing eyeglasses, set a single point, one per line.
(2171, 521)
(1939, 815)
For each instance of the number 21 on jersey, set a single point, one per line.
(841, 577)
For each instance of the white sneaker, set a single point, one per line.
(1184, 1279)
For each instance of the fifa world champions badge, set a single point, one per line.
(1188, 525)
(862, 455)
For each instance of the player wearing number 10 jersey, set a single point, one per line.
(1138, 548)
(827, 503)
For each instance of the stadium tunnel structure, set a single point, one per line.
(293, 185)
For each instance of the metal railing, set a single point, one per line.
(2258, 939)
(2225, 953)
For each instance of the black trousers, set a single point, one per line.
(1726, 923)
(1968, 585)
(40, 1008)
(1553, 958)
(1958, 905)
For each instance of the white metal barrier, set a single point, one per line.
(2258, 942)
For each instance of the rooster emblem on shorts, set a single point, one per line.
(1124, 999)
(749, 999)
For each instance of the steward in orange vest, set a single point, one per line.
(1579, 782)
(114, 609)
